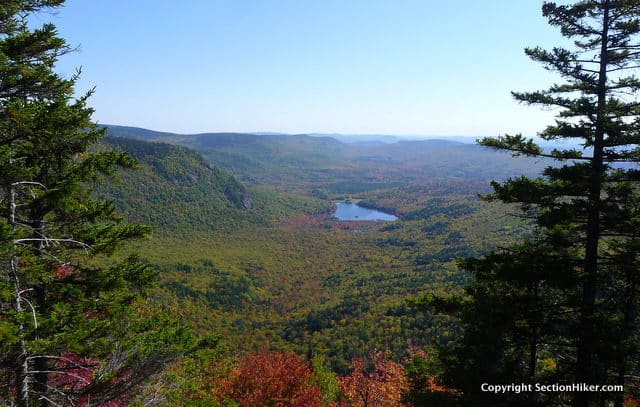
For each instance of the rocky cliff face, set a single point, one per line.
(247, 202)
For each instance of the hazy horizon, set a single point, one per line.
(410, 67)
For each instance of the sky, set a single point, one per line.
(400, 67)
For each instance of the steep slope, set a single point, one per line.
(176, 189)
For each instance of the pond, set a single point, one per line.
(349, 211)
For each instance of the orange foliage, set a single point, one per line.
(629, 401)
(380, 384)
(435, 387)
(271, 379)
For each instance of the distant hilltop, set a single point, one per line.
(142, 133)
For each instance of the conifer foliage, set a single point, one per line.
(58, 308)
(563, 306)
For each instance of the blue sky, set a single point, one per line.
(404, 67)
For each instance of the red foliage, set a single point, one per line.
(63, 271)
(301, 222)
(382, 383)
(76, 373)
(271, 379)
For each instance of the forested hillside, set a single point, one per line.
(175, 189)
(282, 271)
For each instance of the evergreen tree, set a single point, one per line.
(563, 307)
(69, 329)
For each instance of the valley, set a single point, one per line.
(247, 246)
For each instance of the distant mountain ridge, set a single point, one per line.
(305, 163)
(142, 133)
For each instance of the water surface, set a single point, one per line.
(349, 211)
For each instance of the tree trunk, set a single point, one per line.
(41, 364)
(22, 363)
(533, 346)
(630, 315)
(585, 370)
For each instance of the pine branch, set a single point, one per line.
(517, 144)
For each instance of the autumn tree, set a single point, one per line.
(62, 301)
(563, 306)
(271, 379)
(376, 382)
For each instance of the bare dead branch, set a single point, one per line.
(50, 241)
(75, 376)
(18, 183)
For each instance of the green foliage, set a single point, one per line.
(423, 369)
(326, 381)
(563, 305)
(517, 144)
(63, 302)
